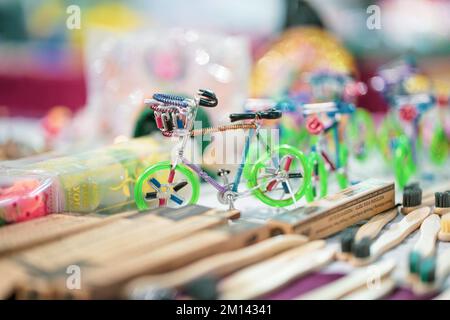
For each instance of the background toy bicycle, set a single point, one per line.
(322, 118)
(327, 99)
(405, 133)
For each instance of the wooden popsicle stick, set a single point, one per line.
(373, 227)
(106, 281)
(70, 248)
(106, 278)
(108, 243)
(260, 270)
(62, 253)
(429, 230)
(150, 241)
(146, 228)
(50, 259)
(375, 292)
(394, 236)
(220, 265)
(105, 236)
(351, 282)
(296, 268)
(52, 227)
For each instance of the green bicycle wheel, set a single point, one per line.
(389, 130)
(439, 147)
(153, 188)
(404, 166)
(319, 177)
(277, 178)
(341, 173)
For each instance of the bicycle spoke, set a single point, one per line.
(291, 193)
(151, 196)
(275, 161)
(295, 175)
(287, 160)
(272, 184)
(177, 199)
(285, 187)
(270, 171)
(162, 202)
(155, 184)
(265, 176)
(180, 186)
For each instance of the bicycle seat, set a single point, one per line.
(267, 114)
(223, 172)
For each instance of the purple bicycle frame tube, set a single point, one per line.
(202, 174)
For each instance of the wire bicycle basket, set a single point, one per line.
(170, 111)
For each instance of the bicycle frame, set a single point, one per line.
(422, 103)
(221, 188)
(330, 109)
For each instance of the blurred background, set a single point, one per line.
(74, 75)
(81, 56)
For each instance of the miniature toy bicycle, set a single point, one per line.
(319, 160)
(278, 178)
(440, 141)
(401, 149)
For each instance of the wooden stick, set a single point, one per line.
(219, 265)
(35, 232)
(108, 241)
(296, 268)
(426, 245)
(106, 281)
(148, 241)
(351, 282)
(373, 227)
(258, 271)
(394, 236)
(153, 229)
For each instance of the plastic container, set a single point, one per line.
(96, 181)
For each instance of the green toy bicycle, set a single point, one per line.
(319, 160)
(278, 178)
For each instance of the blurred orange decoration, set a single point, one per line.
(55, 120)
(297, 51)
